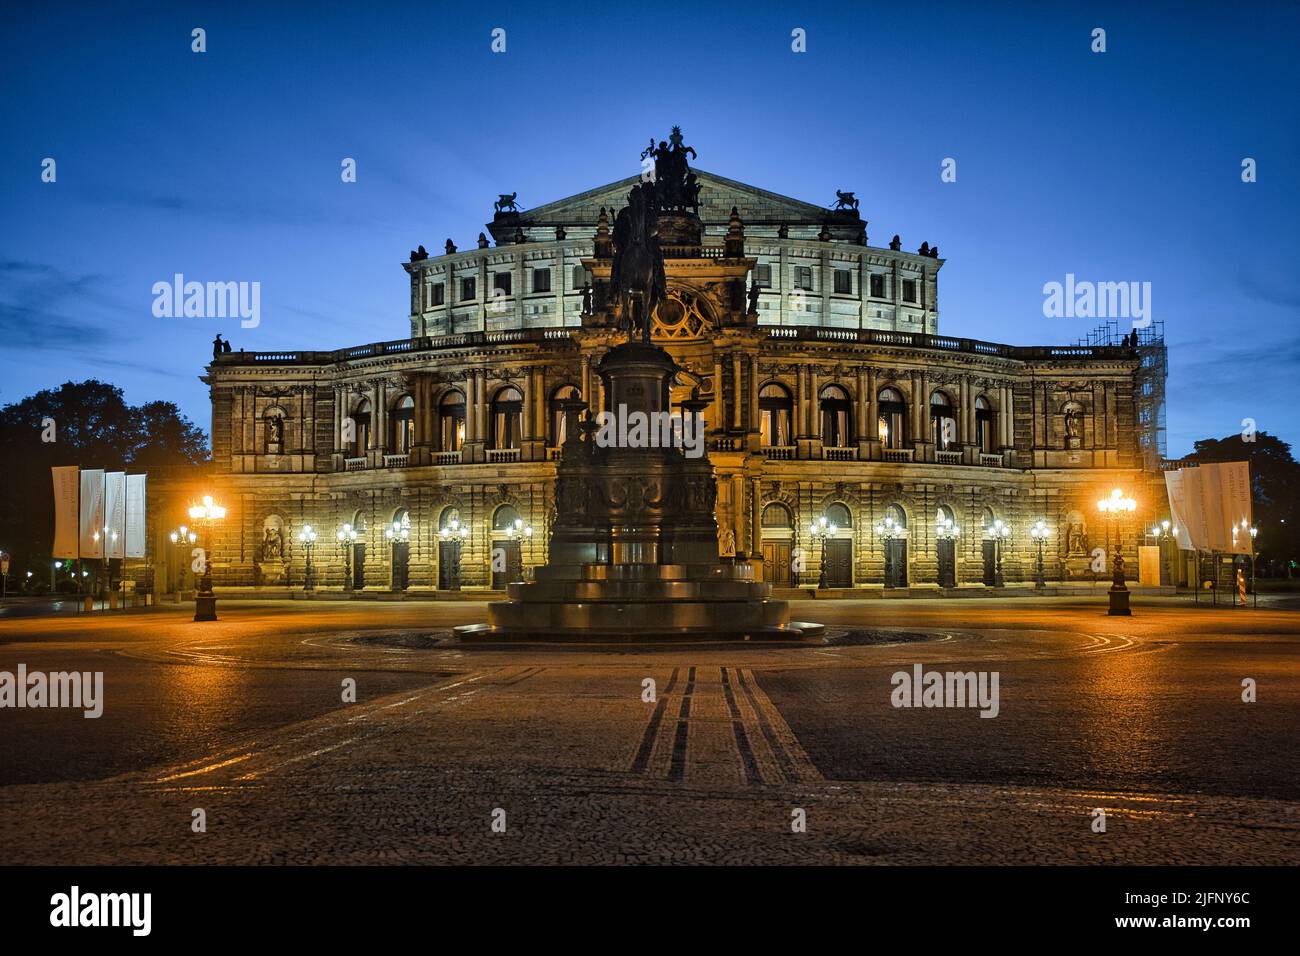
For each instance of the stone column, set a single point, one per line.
(338, 418)
(753, 394)
(737, 393)
(862, 416)
(471, 406)
(719, 403)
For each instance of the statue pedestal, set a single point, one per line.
(634, 547)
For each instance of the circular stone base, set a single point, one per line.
(795, 631)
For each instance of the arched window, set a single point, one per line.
(504, 517)
(450, 518)
(359, 524)
(776, 415)
(404, 425)
(777, 517)
(451, 421)
(896, 512)
(837, 417)
(944, 516)
(983, 425)
(987, 518)
(273, 431)
(507, 411)
(558, 398)
(893, 418)
(838, 514)
(943, 424)
(361, 428)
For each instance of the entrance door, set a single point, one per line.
(838, 557)
(990, 564)
(895, 563)
(401, 565)
(510, 558)
(776, 563)
(448, 566)
(358, 566)
(947, 563)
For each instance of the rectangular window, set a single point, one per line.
(468, 289)
(541, 280)
(763, 276)
(803, 278)
(439, 293)
(581, 277)
(877, 286)
(909, 290)
(843, 282)
(501, 282)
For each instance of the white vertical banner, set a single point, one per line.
(1234, 489)
(91, 543)
(66, 492)
(1208, 502)
(135, 523)
(1177, 492)
(115, 514)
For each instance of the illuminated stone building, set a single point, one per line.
(832, 393)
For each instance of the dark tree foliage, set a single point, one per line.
(1274, 479)
(93, 427)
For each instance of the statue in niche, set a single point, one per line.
(272, 544)
(274, 430)
(1073, 426)
(727, 542)
(1076, 538)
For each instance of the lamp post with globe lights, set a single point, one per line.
(1239, 531)
(206, 515)
(347, 537)
(307, 538)
(520, 532)
(454, 533)
(184, 539)
(998, 532)
(1113, 509)
(1039, 533)
(1164, 533)
(398, 535)
(945, 529)
(818, 532)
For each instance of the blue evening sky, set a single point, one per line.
(225, 165)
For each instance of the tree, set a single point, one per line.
(92, 426)
(1274, 477)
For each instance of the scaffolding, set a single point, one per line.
(1148, 384)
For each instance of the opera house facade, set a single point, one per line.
(427, 463)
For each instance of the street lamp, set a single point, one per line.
(1112, 510)
(520, 532)
(207, 514)
(1164, 532)
(1039, 533)
(184, 539)
(1247, 528)
(891, 530)
(455, 533)
(998, 532)
(347, 537)
(307, 537)
(819, 531)
(945, 529)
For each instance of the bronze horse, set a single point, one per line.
(637, 279)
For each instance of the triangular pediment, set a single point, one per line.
(717, 195)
